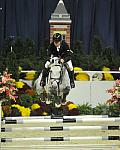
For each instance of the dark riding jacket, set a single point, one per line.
(63, 53)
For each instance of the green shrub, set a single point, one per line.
(101, 109)
(85, 109)
(26, 100)
(114, 110)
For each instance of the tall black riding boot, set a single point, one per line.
(71, 76)
(45, 73)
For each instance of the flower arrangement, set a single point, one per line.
(107, 76)
(81, 76)
(7, 87)
(35, 106)
(115, 92)
(24, 111)
(70, 109)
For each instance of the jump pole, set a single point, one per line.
(22, 121)
(63, 117)
(61, 138)
(61, 128)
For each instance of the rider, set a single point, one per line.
(59, 48)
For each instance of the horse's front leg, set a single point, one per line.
(65, 93)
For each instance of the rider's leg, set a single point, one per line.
(45, 73)
(71, 73)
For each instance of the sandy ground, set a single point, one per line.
(49, 144)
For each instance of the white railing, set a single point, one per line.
(90, 73)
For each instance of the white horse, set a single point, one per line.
(57, 84)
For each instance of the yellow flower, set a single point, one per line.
(45, 113)
(82, 76)
(30, 75)
(77, 69)
(71, 106)
(35, 106)
(19, 84)
(24, 111)
(107, 76)
(16, 106)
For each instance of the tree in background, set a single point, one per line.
(79, 56)
(12, 65)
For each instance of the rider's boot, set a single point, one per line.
(44, 76)
(71, 76)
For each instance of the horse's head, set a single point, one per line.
(55, 72)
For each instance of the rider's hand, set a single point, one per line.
(62, 61)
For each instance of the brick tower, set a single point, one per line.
(60, 22)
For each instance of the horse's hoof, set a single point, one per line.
(48, 102)
(57, 105)
(63, 103)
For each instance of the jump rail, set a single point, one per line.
(61, 138)
(72, 120)
(61, 128)
(53, 117)
(64, 147)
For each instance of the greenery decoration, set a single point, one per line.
(25, 100)
(114, 110)
(85, 109)
(101, 109)
(11, 64)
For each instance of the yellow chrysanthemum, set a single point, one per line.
(19, 84)
(71, 106)
(35, 106)
(30, 75)
(24, 111)
(82, 76)
(16, 106)
(107, 76)
(78, 69)
(45, 113)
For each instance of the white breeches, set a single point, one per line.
(69, 63)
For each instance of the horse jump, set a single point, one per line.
(61, 128)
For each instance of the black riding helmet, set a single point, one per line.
(57, 37)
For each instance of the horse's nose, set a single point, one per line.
(54, 84)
